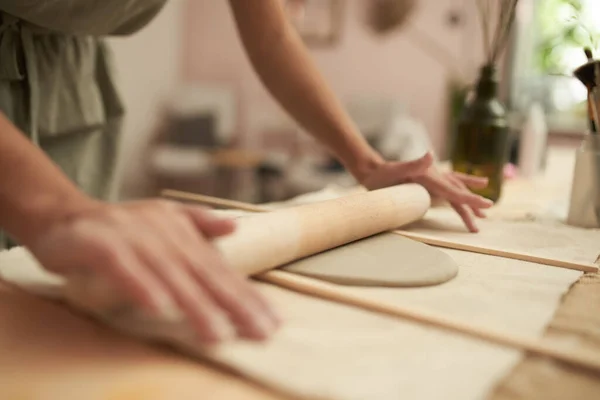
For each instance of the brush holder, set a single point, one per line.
(584, 206)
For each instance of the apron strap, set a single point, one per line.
(32, 79)
(16, 39)
(10, 68)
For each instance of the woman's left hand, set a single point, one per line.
(452, 187)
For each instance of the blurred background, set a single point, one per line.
(402, 68)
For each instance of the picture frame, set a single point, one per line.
(318, 22)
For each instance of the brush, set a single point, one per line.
(594, 100)
(590, 84)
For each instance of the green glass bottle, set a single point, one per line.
(481, 141)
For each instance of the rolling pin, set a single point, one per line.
(430, 239)
(262, 242)
(265, 241)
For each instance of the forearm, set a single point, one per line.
(33, 190)
(287, 70)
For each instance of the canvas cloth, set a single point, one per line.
(330, 351)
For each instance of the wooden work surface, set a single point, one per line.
(577, 320)
(53, 348)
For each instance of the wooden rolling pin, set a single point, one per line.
(265, 241)
(423, 238)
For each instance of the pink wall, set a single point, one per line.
(361, 65)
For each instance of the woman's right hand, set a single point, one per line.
(160, 253)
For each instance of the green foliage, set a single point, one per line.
(564, 27)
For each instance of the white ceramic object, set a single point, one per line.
(584, 207)
(533, 142)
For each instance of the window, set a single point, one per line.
(550, 38)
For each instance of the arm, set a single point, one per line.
(285, 67)
(33, 191)
(157, 254)
(287, 70)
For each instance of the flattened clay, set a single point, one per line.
(386, 259)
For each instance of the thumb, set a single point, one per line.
(409, 169)
(395, 173)
(208, 223)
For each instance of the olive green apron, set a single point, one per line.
(57, 84)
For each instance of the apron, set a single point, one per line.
(57, 83)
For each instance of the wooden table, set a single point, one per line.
(577, 320)
(46, 351)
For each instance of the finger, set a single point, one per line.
(472, 181)
(442, 187)
(456, 182)
(398, 172)
(240, 284)
(461, 195)
(251, 316)
(459, 184)
(249, 309)
(478, 212)
(474, 200)
(233, 293)
(208, 223)
(409, 169)
(467, 218)
(206, 318)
